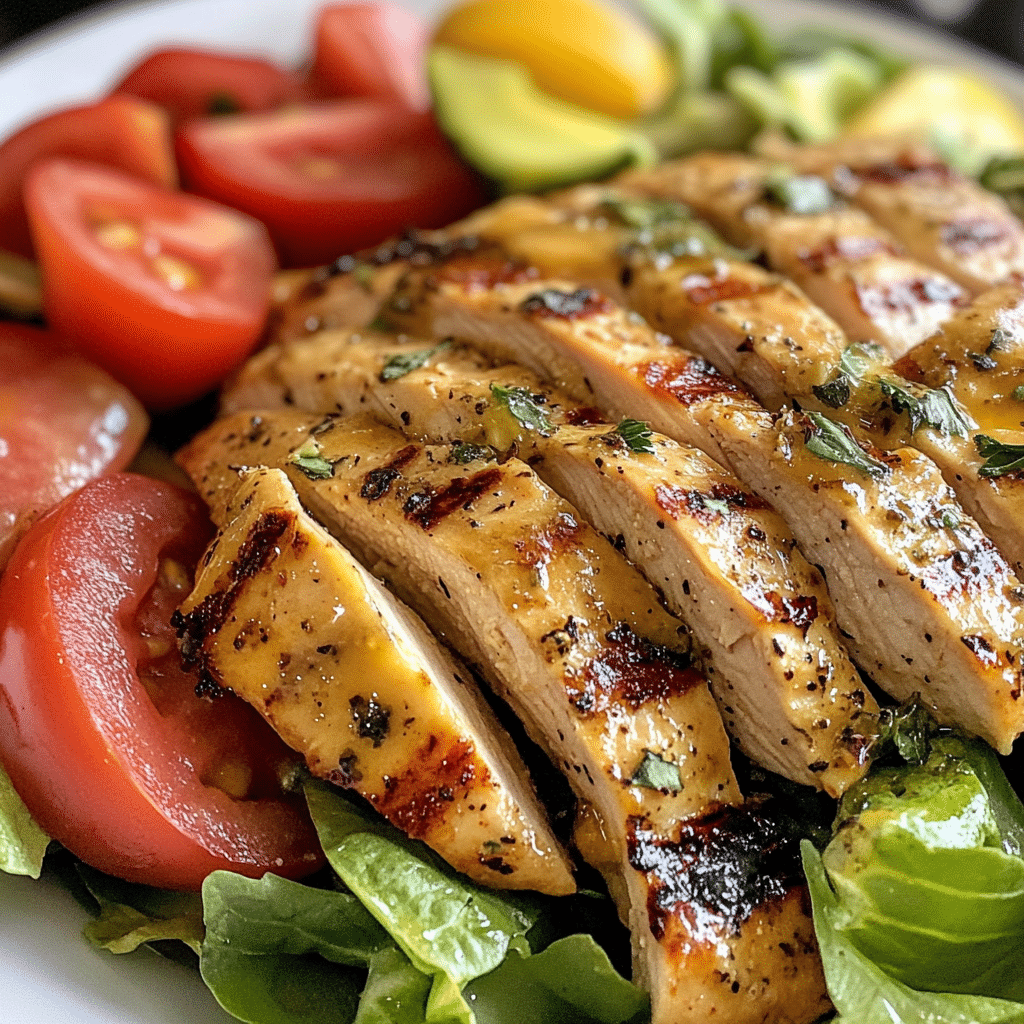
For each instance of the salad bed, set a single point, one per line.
(274, 950)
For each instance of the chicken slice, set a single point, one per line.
(752, 324)
(723, 560)
(846, 263)
(889, 529)
(978, 359)
(577, 643)
(942, 217)
(285, 617)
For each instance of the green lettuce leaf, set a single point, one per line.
(395, 992)
(131, 914)
(864, 994)
(448, 927)
(22, 842)
(571, 982)
(279, 952)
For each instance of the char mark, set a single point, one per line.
(971, 235)
(377, 482)
(844, 249)
(702, 290)
(725, 865)
(429, 507)
(688, 381)
(576, 305)
(879, 299)
(706, 506)
(906, 169)
(633, 670)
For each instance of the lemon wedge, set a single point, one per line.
(581, 51)
(961, 115)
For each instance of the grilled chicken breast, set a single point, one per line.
(941, 217)
(578, 644)
(978, 359)
(887, 535)
(723, 560)
(286, 618)
(846, 263)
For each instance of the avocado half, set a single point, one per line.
(521, 137)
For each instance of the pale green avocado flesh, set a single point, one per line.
(521, 137)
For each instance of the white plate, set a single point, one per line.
(48, 973)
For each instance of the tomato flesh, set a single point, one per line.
(370, 49)
(63, 421)
(100, 729)
(121, 131)
(197, 83)
(330, 178)
(168, 292)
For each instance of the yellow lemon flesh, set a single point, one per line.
(964, 116)
(577, 50)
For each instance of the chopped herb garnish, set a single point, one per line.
(934, 408)
(1001, 341)
(311, 462)
(1018, 393)
(857, 359)
(982, 361)
(805, 194)
(655, 772)
(405, 362)
(834, 393)
(834, 442)
(1000, 458)
(1005, 175)
(643, 214)
(524, 407)
(637, 436)
(715, 505)
(380, 323)
(364, 274)
(463, 452)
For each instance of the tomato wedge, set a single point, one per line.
(63, 421)
(120, 131)
(329, 178)
(168, 292)
(375, 50)
(101, 731)
(197, 83)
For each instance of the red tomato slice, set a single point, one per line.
(329, 178)
(166, 291)
(100, 729)
(375, 50)
(196, 83)
(63, 421)
(120, 131)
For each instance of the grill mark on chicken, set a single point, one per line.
(429, 508)
(879, 298)
(842, 249)
(725, 864)
(574, 305)
(897, 172)
(689, 379)
(699, 504)
(546, 543)
(256, 553)
(633, 670)
(971, 235)
(583, 416)
(703, 290)
(377, 482)
(479, 271)
(415, 806)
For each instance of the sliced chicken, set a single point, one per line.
(724, 562)
(979, 360)
(286, 618)
(846, 263)
(942, 218)
(574, 639)
(888, 533)
(752, 324)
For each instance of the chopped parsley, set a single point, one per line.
(524, 407)
(804, 194)
(636, 435)
(934, 408)
(1000, 458)
(1018, 393)
(311, 462)
(463, 452)
(655, 772)
(834, 442)
(643, 214)
(405, 362)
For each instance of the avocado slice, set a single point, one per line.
(521, 137)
